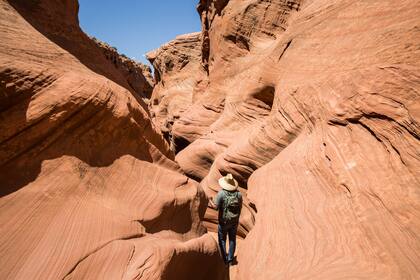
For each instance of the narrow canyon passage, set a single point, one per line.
(106, 169)
(317, 122)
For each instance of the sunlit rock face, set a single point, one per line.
(138, 75)
(178, 74)
(314, 107)
(89, 188)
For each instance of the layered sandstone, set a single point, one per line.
(178, 74)
(89, 188)
(314, 107)
(138, 75)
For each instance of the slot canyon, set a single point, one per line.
(107, 167)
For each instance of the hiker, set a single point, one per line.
(229, 203)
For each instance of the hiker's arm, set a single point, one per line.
(217, 200)
(211, 204)
(240, 203)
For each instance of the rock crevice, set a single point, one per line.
(81, 161)
(315, 115)
(312, 106)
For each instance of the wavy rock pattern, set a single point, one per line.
(178, 75)
(314, 107)
(138, 75)
(89, 188)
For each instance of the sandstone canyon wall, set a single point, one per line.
(314, 106)
(138, 76)
(178, 73)
(89, 187)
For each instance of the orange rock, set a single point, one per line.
(178, 74)
(89, 188)
(314, 107)
(139, 76)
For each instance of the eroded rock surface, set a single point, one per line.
(178, 75)
(89, 188)
(314, 107)
(138, 75)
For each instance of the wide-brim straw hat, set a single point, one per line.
(228, 183)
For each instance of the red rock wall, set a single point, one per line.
(178, 75)
(89, 188)
(138, 76)
(314, 107)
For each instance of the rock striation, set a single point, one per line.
(89, 187)
(138, 75)
(178, 76)
(314, 107)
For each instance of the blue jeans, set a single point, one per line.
(222, 231)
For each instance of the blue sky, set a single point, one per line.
(135, 27)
